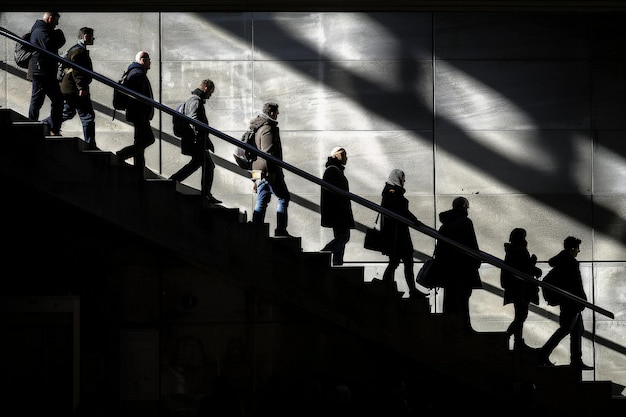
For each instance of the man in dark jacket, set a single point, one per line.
(336, 209)
(44, 71)
(200, 143)
(460, 270)
(272, 178)
(138, 113)
(570, 319)
(75, 87)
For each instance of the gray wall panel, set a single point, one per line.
(529, 36)
(512, 94)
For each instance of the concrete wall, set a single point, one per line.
(521, 113)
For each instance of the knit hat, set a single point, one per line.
(336, 150)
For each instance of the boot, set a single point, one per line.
(281, 225)
(257, 217)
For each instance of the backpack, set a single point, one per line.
(553, 277)
(23, 53)
(121, 99)
(243, 157)
(182, 128)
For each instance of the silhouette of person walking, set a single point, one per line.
(570, 319)
(397, 243)
(336, 209)
(460, 270)
(517, 291)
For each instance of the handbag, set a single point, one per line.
(430, 275)
(373, 238)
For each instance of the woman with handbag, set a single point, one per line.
(397, 243)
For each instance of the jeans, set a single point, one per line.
(83, 106)
(264, 194)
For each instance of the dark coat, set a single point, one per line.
(45, 36)
(267, 139)
(571, 280)
(138, 81)
(194, 108)
(396, 235)
(336, 209)
(75, 79)
(516, 289)
(459, 269)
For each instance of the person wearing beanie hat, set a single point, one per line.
(336, 209)
(397, 243)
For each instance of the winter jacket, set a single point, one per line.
(460, 269)
(75, 79)
(516, 289)
(45, 36)
(267, 139)
(336, 209)
(138, 81)
(396, 235)
(571, 280)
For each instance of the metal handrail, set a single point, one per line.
(422, 228)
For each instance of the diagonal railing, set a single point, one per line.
(420, 227)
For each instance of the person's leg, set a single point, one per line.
(390, 271)
(575, 338)
(567, 320)
(263, 196)
(69, 107)
(338, 244)
(208, 173)
(279, 189)
(53, 91)
(409, 275)
(185, 171)
(37, 97)
(87, 116)
(515, 328)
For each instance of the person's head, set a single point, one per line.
(396, 177)
(571, 244)
(271, 109)
(460, 203)
(51, 17)
(339, 153)
(207, 86)
(85, 34)
(143, 58)
(518, 237)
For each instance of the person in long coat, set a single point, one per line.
(460, 269)
(335, 208)
(517, 291)
(397, 243)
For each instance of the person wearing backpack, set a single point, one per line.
(570, 318)
(272, 178)
(202, 145)
(44, 71)
(75, 87)
(139, 113)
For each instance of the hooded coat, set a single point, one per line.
(396, 235)
(459, 269)
(519, 258)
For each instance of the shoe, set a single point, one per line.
(582, 366)
(281, 233)
(213, 200)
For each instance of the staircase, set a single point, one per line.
(477, 369)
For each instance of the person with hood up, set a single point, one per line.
(335, 208)
(397, 243)
(460, 269)
(517, 291)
